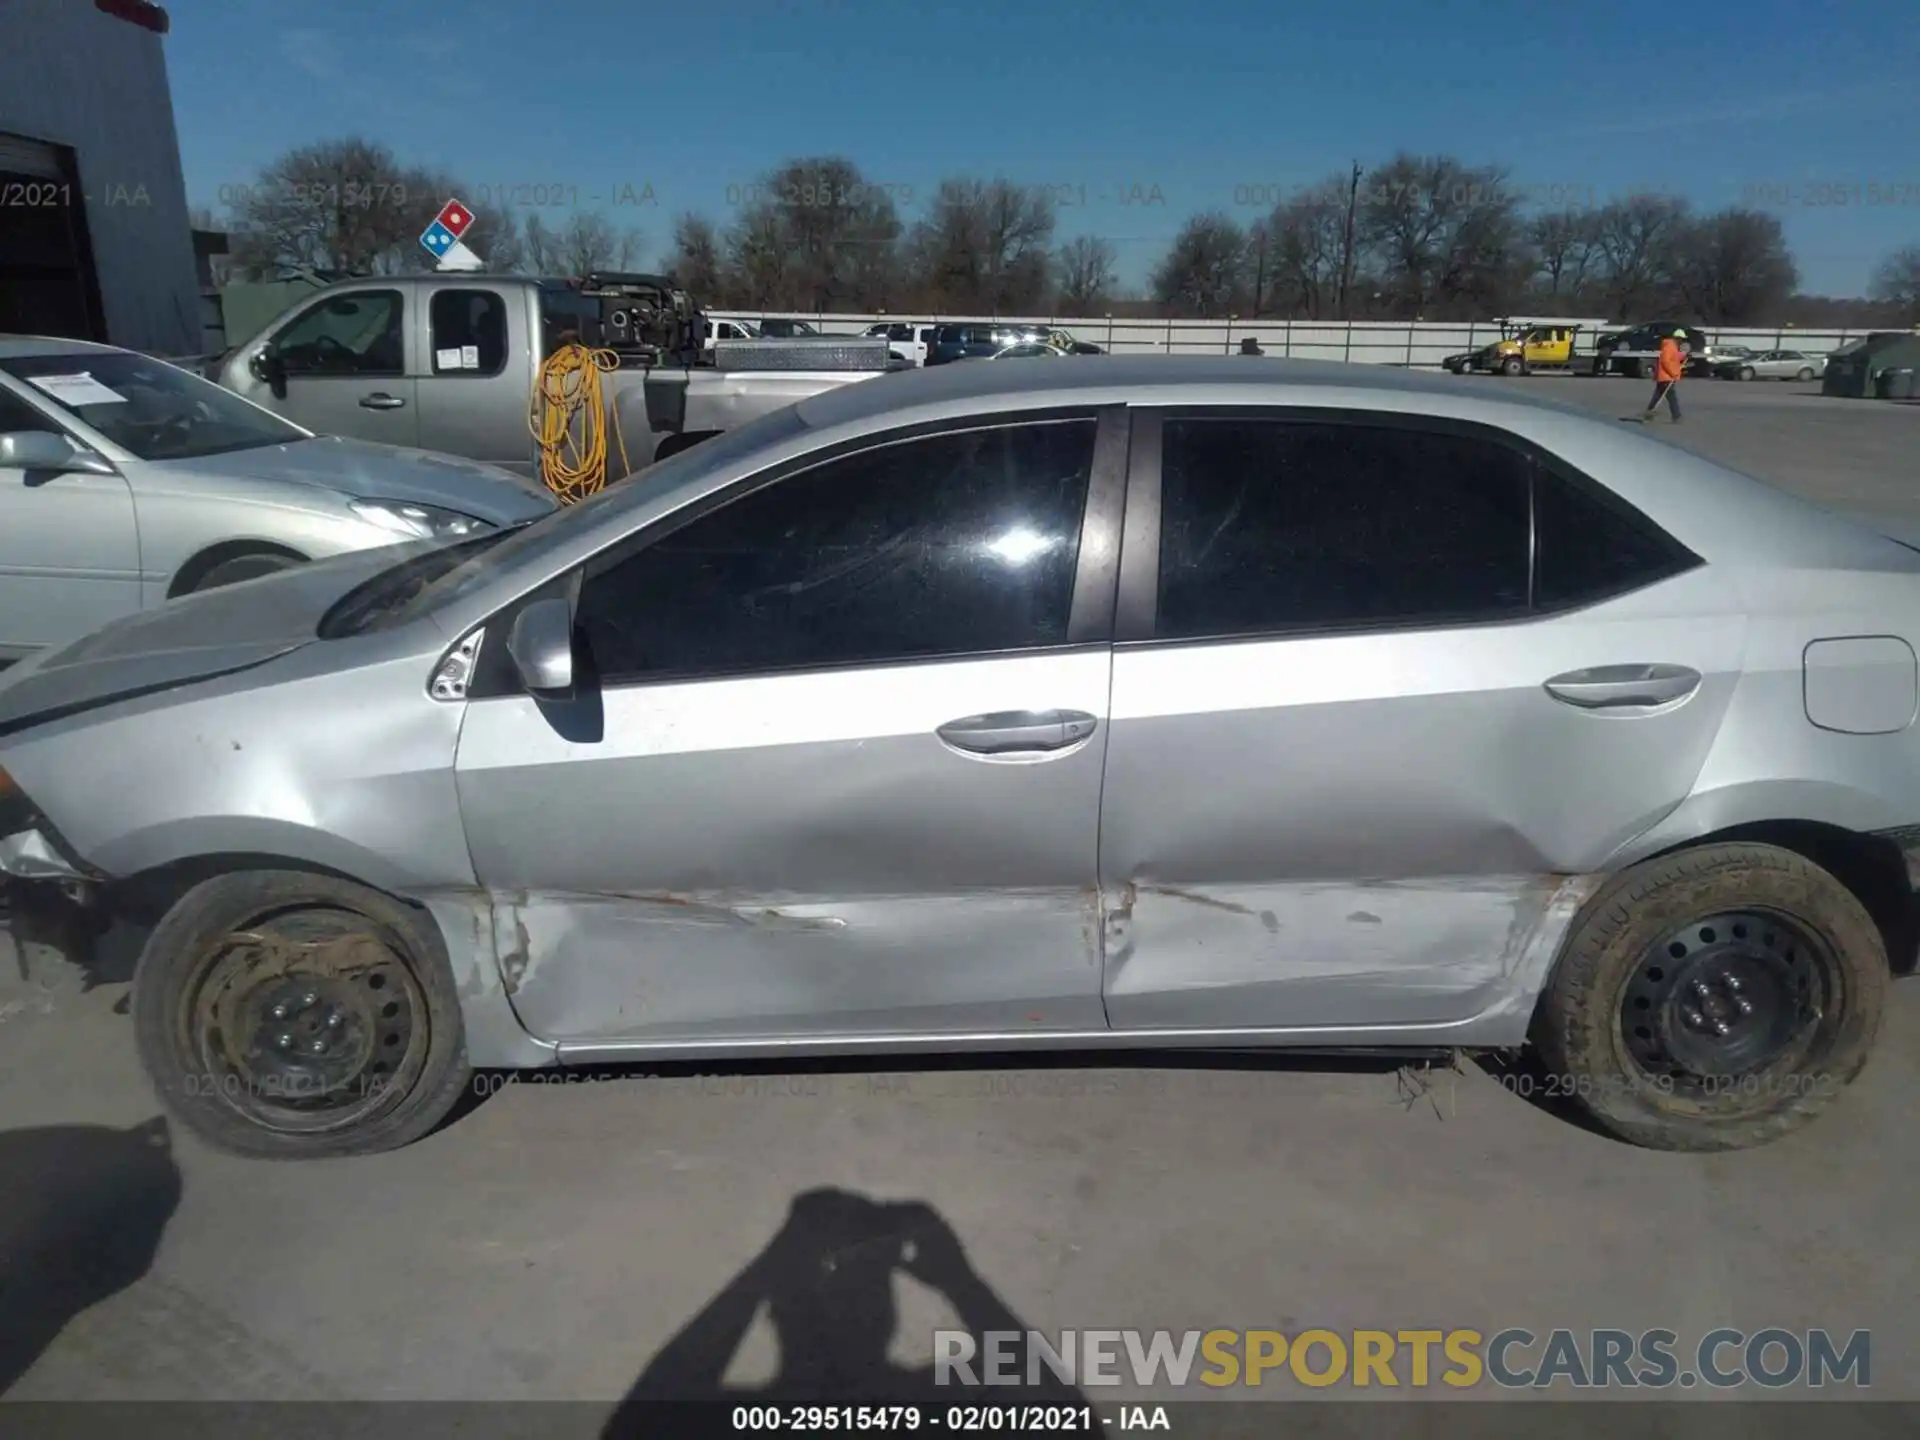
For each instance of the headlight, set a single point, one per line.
(424, 522)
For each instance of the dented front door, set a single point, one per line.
(833, 842)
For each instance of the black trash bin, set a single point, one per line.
(1894, 383)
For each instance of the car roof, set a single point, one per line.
(15, 347)
(1113, 379)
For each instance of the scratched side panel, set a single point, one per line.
(1364, 830)
(1352, 952)
(792, 855)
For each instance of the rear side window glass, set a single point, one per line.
(1273, 525)
(469, 332)
(1589, 547)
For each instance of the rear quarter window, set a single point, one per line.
(1590, 545)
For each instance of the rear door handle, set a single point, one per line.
(1610, 687)
(380, 400)
(1008, 732)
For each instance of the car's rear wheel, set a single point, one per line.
(1714, 999)
(295, 1015)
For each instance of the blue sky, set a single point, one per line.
(1136, 114)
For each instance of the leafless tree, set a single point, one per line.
(696, 261)
(1565, 248)
(1306, 241)
(1443, 235)
(587, 241)
(1087, 274)
(1636, 238)
(1733, 267)
(983, 247)
(1205, 269)
(1896, 282)
(760, 269)
(338, 205)
(813, 234)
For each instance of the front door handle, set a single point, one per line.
(1610, 687)
(380, 400)
(1008, 732)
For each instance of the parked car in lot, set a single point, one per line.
(776, 328)
(997, 708)
(1031, 350)
(719, 328)
(1634, 352)
(905, 341)
(1772, 365)
(976, 340)
(1066, 341)
(125, 481)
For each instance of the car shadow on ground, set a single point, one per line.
(1413, 1069)
(82, 1209)
(825, 1281)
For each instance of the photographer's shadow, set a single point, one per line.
(827, 1281)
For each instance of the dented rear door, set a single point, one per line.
(1340, 792)
(839, 773)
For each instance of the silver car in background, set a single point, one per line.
(1138, 702)
(126, 481)
(1771, 365)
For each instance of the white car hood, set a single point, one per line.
(380, 472)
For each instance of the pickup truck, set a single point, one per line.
(448, 361)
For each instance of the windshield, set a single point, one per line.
(149, 408)
(426, 583)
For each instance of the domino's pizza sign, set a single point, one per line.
(441, 239)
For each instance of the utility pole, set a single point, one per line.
(1346, 239)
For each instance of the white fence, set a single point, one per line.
(1362, 342)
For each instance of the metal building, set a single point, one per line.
(95, 240)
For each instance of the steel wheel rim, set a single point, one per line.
(307, 1020)
(1727, 996)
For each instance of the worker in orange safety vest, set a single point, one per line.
(1666, 375)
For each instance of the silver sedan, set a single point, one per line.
(125, 481)
(1139, 702)
(1773, 365)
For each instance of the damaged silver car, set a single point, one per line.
(1136, 703)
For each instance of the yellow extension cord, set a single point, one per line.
(568, 417)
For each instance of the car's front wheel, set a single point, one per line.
(295, 1015)
(1713, 999)
(249, 566)
(1806, 373)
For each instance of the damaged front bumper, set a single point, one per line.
(34, 855)
(31, 849)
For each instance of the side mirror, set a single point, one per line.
(44, 450)
(541, 648)
(267, 367)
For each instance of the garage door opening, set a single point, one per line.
(48, 283)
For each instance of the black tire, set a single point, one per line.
(244, 567)
(1806, 374)
(1513, 365)
(1747, 372)
(1826, 948)
(203, 1006)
